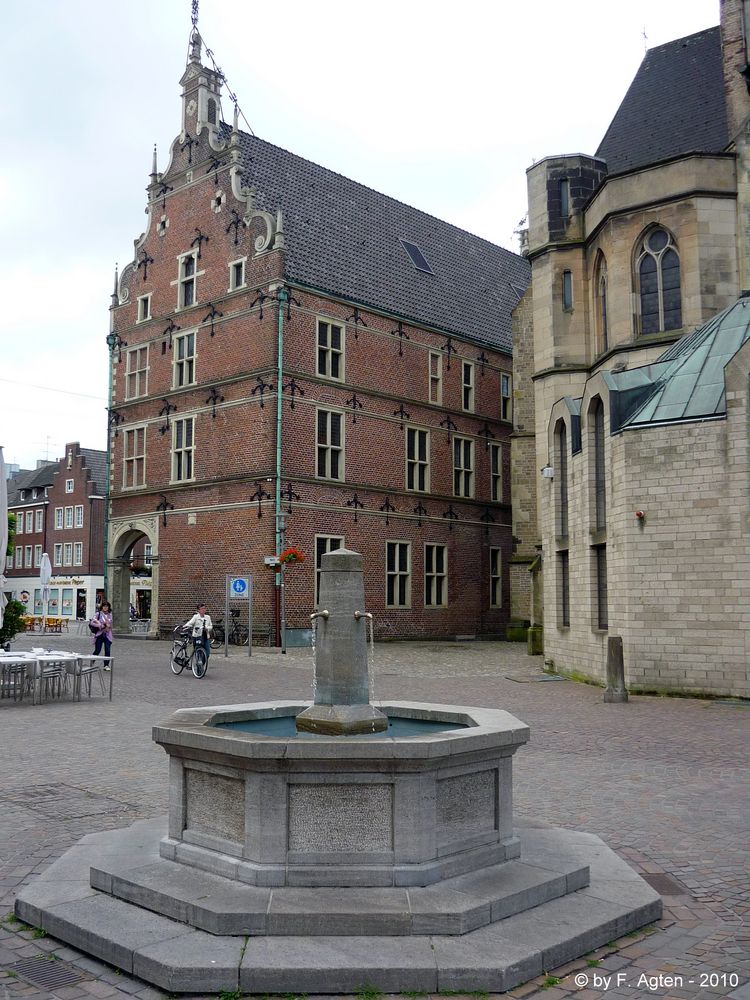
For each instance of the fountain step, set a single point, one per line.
(180, 959)
(223, 906)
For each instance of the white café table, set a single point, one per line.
(36, 660)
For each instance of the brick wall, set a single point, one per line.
(212, 527)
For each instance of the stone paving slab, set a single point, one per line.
(662, 781)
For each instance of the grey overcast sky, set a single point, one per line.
(440, 105)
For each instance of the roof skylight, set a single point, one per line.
(418, 259)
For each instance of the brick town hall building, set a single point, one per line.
(287, 341)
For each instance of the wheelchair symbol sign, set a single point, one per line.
(239, 586)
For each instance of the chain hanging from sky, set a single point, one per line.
(217, 69)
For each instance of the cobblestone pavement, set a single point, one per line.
(664, 781)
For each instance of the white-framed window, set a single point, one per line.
(323, 544)
(183, 449)
(19, 522)
(134, 458)
(57, 554)
(29, 556)
(37, 555)
(58, 518)
(397, 574)
(19, 556)
(186, 282)
(144, 308)
(435, 576)
(417, 460)
(329, 443)
(69, 485)
(463, 467)
(29, 521)
(467, 386)
(9, 562)
(79, 515)
(78, 554)
(184, 360)
(506, 397)
(330, 346)
(237, 274)
(496, 473)
(496, 589)
(435, 377)
(68, 554)
(68, 517)
(148, 554)
(38, 521)
(136, 372)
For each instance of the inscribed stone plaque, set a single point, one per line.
(333, 818)
(215, 805)
(466, 805)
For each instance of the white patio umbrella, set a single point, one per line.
(45, 575)
(3, 532)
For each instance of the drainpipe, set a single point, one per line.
(282, 295)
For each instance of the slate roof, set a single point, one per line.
(27, 479)
(343, 238)
(675, 105)
(687, 381)
(96, 462)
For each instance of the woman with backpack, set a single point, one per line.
(101, 628)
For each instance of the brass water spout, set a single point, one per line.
(362, 614)
(319, 614)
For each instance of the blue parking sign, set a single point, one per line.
(239, 586)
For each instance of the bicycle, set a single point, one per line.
(179, 657)
(238, 633)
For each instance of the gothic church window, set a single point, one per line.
(658, 277)
(601, 304)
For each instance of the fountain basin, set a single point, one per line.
(312, 810)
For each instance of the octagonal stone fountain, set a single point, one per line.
(343, 844)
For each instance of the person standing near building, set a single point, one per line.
(201, 628)
(102, 621)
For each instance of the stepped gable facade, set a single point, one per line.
(59, 508)
(298, 360)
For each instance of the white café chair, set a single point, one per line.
(88, 666)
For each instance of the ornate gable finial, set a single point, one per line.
(279, 243)
(115, 295)
(195, 46)
(154, 170)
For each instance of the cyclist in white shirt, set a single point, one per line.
(202, 628)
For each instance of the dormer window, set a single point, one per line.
(69, 485)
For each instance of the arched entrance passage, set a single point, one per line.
(134, 554)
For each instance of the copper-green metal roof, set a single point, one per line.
(688, 379)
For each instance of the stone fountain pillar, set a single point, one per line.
(342, 690)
